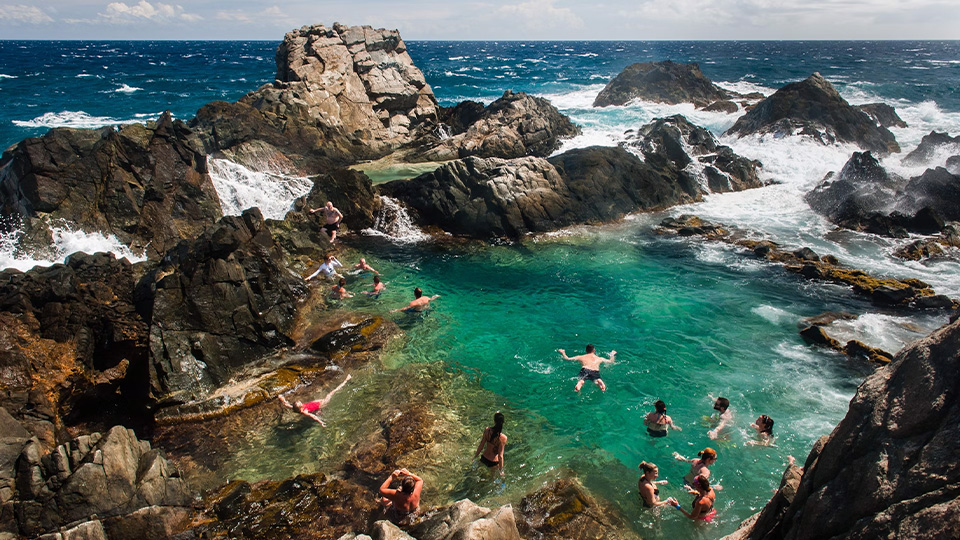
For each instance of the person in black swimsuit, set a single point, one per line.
(647, 487)
(492, 444)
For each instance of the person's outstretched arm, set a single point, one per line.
(563, 353)
(503, 444)
(611, 360)
(314, 417)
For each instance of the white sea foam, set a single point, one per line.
(394, 223)
(745, 87)
(5, 76)
(66, 240)
(127, 89)
(775, 315)
(240, 188)
(70, 119)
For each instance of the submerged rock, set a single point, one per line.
(146, 185)
(661, 82)
(814, 108)
(891, 467)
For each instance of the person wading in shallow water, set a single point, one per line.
(658, 422)
(724, 418)
(764, 427)
(332, 216)
(698, 467)
(311, 409)
(401, 504)
(492, 444)
(590, 366)
(703, 500)
(647, 486)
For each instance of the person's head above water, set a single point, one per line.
(376, 279)
(765, 423)
(590, 349)
(648, 468)
(708, 454)
(660, 406)
(701, 483)
(417, 293)
(722, 404)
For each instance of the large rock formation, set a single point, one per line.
(661, 82)
(147, 185)
(931, 146)
(495, 197)
(891, 468)
(863, 196)
(341, 94)
(563, 510)
(114, 482)
(215, 304)
(814, 108)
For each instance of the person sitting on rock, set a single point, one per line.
(657, 422)
(401, 504)
(589, 366)
(419, 302)
(332, 216)
(703, 501)
(378, 287)
(647, 486)
(764, 427)
(311, 409)
(328, 268)
(340, 290)
(723, 418)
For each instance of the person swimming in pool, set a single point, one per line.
(311, 409)
(647, 486)
(419, 302)
(657, 422)
(764, 427)
(590, 366)
(378, 287)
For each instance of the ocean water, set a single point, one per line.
(688, 318)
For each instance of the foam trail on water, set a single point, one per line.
(70, 119)
(240, 188)
(66, 241)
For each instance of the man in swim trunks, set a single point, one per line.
(419, 302)
(590, 366)
(311, 409)
(332, 216)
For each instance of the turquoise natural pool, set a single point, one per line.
(688, 319)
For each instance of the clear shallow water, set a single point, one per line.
(688, 318)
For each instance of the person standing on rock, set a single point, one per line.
(328, 268)
(311, 409)
(492, 443)
(419, 302)
(401, 504)
(332, 216)
(590, 366)
(657, 422)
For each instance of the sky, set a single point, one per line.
(486, 20)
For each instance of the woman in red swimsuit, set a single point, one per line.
(704, 497)
(311, 409)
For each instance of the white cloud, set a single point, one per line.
(23, 14)
(272, 14)
(120, 13)
(542, 13)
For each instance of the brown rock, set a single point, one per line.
(564, 510)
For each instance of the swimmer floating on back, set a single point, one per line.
(311, 409)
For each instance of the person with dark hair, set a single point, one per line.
(647, 486)
(703, 501)
(723, 418)
(764, 427)
(492, 443)
(378, 287)
(657, 422)
(698, 467)
(419, 302)
(339, 291)
(312, 409)
(401, 504)
(590, 366)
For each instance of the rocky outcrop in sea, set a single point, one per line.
(662, 82)
(814, 108)
(890, 468)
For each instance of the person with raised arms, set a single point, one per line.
(589, 366)
(311, 409)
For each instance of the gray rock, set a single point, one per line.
(883, 114)
(464, 520)
(661, 82)
(814, 108)
(930, 146)
(385, 530)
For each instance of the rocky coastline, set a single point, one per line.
(121, 380)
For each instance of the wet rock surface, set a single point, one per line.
(661, 82)
(563, 509)
(931, 146)
(814, 108)
(146, 185)
(885, 115)
(890, 468)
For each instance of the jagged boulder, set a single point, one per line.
(146, 185)
(464, 520)
(891, 468)
(661, 82)
(933, 145)
(937, 189)
(884, 115)
(513, 126)
(107, 476)
(215, 304)
(861, 187)
(814, 108)
(73, 346)
(341, 94)
(701, 163)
